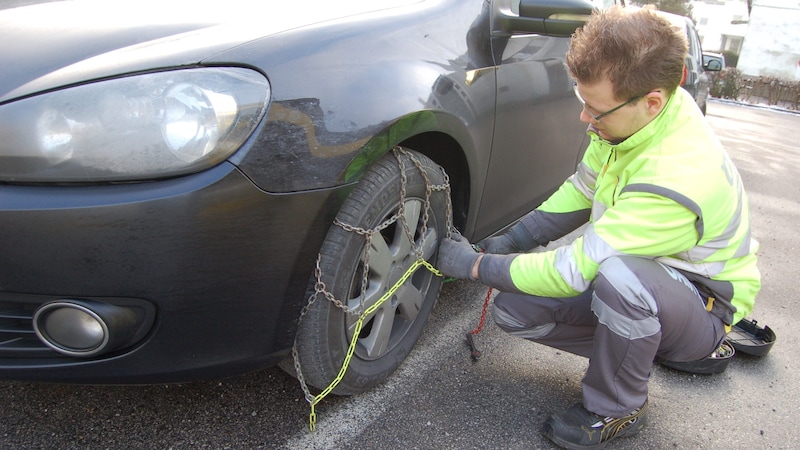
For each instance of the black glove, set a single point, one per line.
(457, 257)
(516, 240)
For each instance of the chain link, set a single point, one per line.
(320, 289)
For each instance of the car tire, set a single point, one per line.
(389, 333)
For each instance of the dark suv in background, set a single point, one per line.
(696, 81)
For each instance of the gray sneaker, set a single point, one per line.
(579, 428)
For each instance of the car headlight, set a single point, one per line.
(133, 128)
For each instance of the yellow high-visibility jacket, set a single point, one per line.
(668, 192)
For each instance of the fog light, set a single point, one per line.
(84, 328)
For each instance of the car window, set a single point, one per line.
(694, 48)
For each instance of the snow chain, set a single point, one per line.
(321, 289)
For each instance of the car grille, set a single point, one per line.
(17, 338)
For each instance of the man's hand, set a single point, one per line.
(517, 239)
(499, 245)
(457, 257)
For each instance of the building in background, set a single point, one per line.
(759, 37)
(771, 45)
(722, 25)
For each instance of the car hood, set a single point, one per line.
(54, 44)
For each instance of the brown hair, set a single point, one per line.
(637, 50)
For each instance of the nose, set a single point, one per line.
(585, 117)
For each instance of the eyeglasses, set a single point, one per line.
(600, 116)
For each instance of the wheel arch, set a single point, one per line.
(438, 136)
(445, 151)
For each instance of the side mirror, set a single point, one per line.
(548, 17)
(713, 63)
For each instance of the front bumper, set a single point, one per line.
(224, 265)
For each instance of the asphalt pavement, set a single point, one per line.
(441, 399)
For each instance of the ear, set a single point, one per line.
(655, 102)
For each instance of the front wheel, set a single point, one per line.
(397, 187)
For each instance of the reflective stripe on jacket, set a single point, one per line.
(668, 192)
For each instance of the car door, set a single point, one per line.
(538, 136)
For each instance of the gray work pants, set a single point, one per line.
(636, 309)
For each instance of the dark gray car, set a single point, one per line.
(172, 174)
